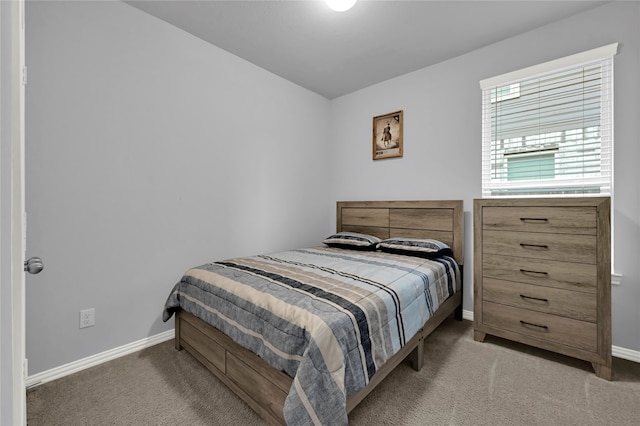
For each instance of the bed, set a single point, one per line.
(303, 336)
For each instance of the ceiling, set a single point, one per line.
(334, 53)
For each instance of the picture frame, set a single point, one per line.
(387, 135)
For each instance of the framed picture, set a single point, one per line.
(387, 135)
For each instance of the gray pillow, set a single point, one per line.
(352, 240)
(415, 247)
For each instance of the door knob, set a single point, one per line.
(33, 265)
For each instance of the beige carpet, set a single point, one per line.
(462, 383)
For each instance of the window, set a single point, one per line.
(505, 92)
(547, 130)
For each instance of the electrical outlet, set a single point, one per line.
(87, 318)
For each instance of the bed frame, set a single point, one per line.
(262, 387)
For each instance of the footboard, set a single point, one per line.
(262, 387)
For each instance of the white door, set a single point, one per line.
(12, 219)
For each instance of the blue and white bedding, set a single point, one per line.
(328, 317)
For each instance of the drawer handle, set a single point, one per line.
(540, 246)
(525, 324)
(534, 298)
(533, 219)
(527, 271)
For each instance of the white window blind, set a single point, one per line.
(548, 130)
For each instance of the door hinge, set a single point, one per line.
(24, 75)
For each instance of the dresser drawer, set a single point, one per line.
(566, 220)
(536, 325)
(548, 273)
(565, 303)
(565, 248)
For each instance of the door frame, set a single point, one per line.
(12, 216)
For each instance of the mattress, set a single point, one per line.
(328, 317)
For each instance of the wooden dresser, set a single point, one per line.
(542, 275)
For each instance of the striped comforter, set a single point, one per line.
(327, 317)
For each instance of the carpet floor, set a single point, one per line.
(463, 382)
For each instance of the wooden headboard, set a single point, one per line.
(440, 220)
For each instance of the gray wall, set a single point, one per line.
(442, 136)
(150, 151)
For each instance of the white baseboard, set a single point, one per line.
(616, 351)
(468, 315)
(625, 353)
(92, 361)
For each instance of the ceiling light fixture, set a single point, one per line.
(340, 5)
